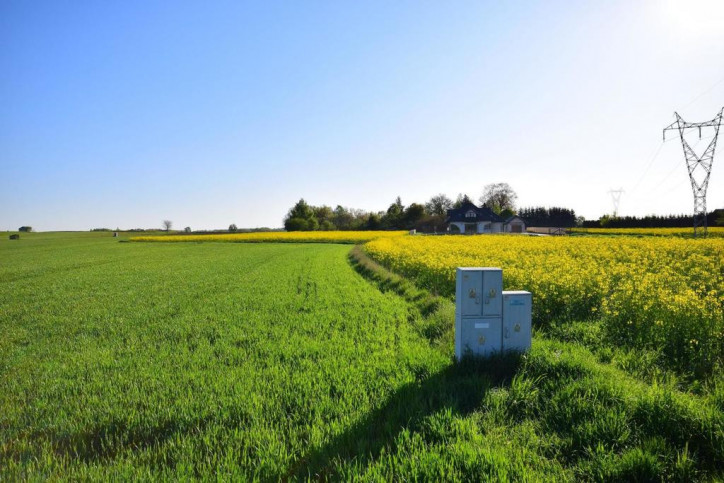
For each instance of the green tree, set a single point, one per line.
(342, 218)
(374, 222)
(413, 214)
(719, 220)
(506, 213)
(324, 216)
(499, 197)
(438, 205)
(394, 216)
(301, 218)
(296, 224)
(461, 200)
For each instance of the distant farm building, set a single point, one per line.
(470, 220)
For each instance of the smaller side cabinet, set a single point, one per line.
(517, 313)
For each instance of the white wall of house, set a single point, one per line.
(482, 227)
(460, 226)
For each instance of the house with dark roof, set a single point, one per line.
(469, 219)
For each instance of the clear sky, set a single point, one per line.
(126, 113)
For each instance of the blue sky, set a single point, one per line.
(123, 114)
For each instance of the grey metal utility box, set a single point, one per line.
(478, 311)
(517, 314)
(488, 320)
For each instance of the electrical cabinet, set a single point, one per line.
(478, 311)
(517, 313)
(488, 320)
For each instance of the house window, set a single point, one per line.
(470, 214)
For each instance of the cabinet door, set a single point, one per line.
(481, 337)
(492, 293)
(472, 294)
(517, 322)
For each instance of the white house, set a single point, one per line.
(469, 219)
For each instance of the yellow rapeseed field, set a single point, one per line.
(662, 293)
(278, 236)
(713, 231)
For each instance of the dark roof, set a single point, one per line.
(511, 218)
(481, 214)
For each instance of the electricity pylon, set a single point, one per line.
(616, 197)
(699, 166)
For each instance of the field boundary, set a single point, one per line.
(387, 280)
(433, 315)
(339, 236)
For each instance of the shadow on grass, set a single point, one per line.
(460, 388)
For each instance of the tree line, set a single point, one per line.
(305, 217)
(713, 218)
(551, 217)
(428, 217)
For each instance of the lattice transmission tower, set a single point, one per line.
(616, 198)
(699, 166)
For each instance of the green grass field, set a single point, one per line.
(286, 361)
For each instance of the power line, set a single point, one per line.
(678, 165)
(651, 162)
(668, 175)
(703, 93)
(653, 157)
